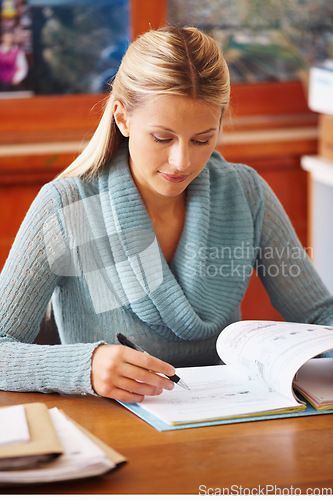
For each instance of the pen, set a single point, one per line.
(125, 341)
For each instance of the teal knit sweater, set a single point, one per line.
(91, 247)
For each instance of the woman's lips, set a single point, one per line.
(174, 178)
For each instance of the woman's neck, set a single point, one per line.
(163, 208)
(167, 215)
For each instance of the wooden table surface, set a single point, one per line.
(283, 456)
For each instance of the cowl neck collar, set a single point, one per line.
(163, 296)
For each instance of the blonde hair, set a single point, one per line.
(170, 60)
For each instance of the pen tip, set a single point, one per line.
(183, 385)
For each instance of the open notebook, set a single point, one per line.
(262, 360)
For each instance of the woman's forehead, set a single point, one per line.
(163, 108)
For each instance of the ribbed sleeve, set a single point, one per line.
(26, 286)
(37, 368)
(286, 271)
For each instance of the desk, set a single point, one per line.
(289, 452)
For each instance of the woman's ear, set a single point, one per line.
(121, 118)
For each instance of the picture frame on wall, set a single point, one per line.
(263, 41)
(16, 52)
(77, 44)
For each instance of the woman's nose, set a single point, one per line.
(180, 157)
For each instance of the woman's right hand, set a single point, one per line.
(119, 372)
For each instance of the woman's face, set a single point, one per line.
(8, 39)
(170, 141)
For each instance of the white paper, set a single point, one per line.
(321, 89)
(81, 457)
(216, 392)
(273, 350)
(13, 425)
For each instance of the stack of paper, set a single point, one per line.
(47, 446)
(28, 437)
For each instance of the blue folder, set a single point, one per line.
(160, 425)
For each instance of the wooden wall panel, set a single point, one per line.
(146, 15)
(15, 201)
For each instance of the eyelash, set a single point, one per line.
(165, 141)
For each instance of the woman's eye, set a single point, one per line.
(201, 143)
(157, 139)
(194, 141)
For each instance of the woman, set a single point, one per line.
(151, 233)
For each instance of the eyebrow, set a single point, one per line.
(199, 133)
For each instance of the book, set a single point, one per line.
(80, 454)
(256, 381)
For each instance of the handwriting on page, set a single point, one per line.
(227, 393)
